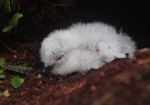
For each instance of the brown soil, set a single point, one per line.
(121, 82)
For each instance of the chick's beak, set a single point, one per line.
(47, 69)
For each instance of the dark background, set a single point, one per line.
(132, 17)
(43, 16)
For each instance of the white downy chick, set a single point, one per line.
(100, 42)
(77, 60)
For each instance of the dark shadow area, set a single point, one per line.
(42, 17)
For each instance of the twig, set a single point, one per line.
(8, 48)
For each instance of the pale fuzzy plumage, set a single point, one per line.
(84, 46)
(77, 60)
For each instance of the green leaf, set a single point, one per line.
(16, 81)
(15, 18)
(7, 28)
(19, 69)
(1, 71)
(2, 76)
(13, 22)
(2, 63)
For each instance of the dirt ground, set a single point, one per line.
(121, 82)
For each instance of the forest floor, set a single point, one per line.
(120, 82)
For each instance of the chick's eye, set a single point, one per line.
(58, 58)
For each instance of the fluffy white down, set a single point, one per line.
(83, 46)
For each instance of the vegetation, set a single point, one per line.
(13, 22)
(16, 81)
(6, 9)
(5, 6)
